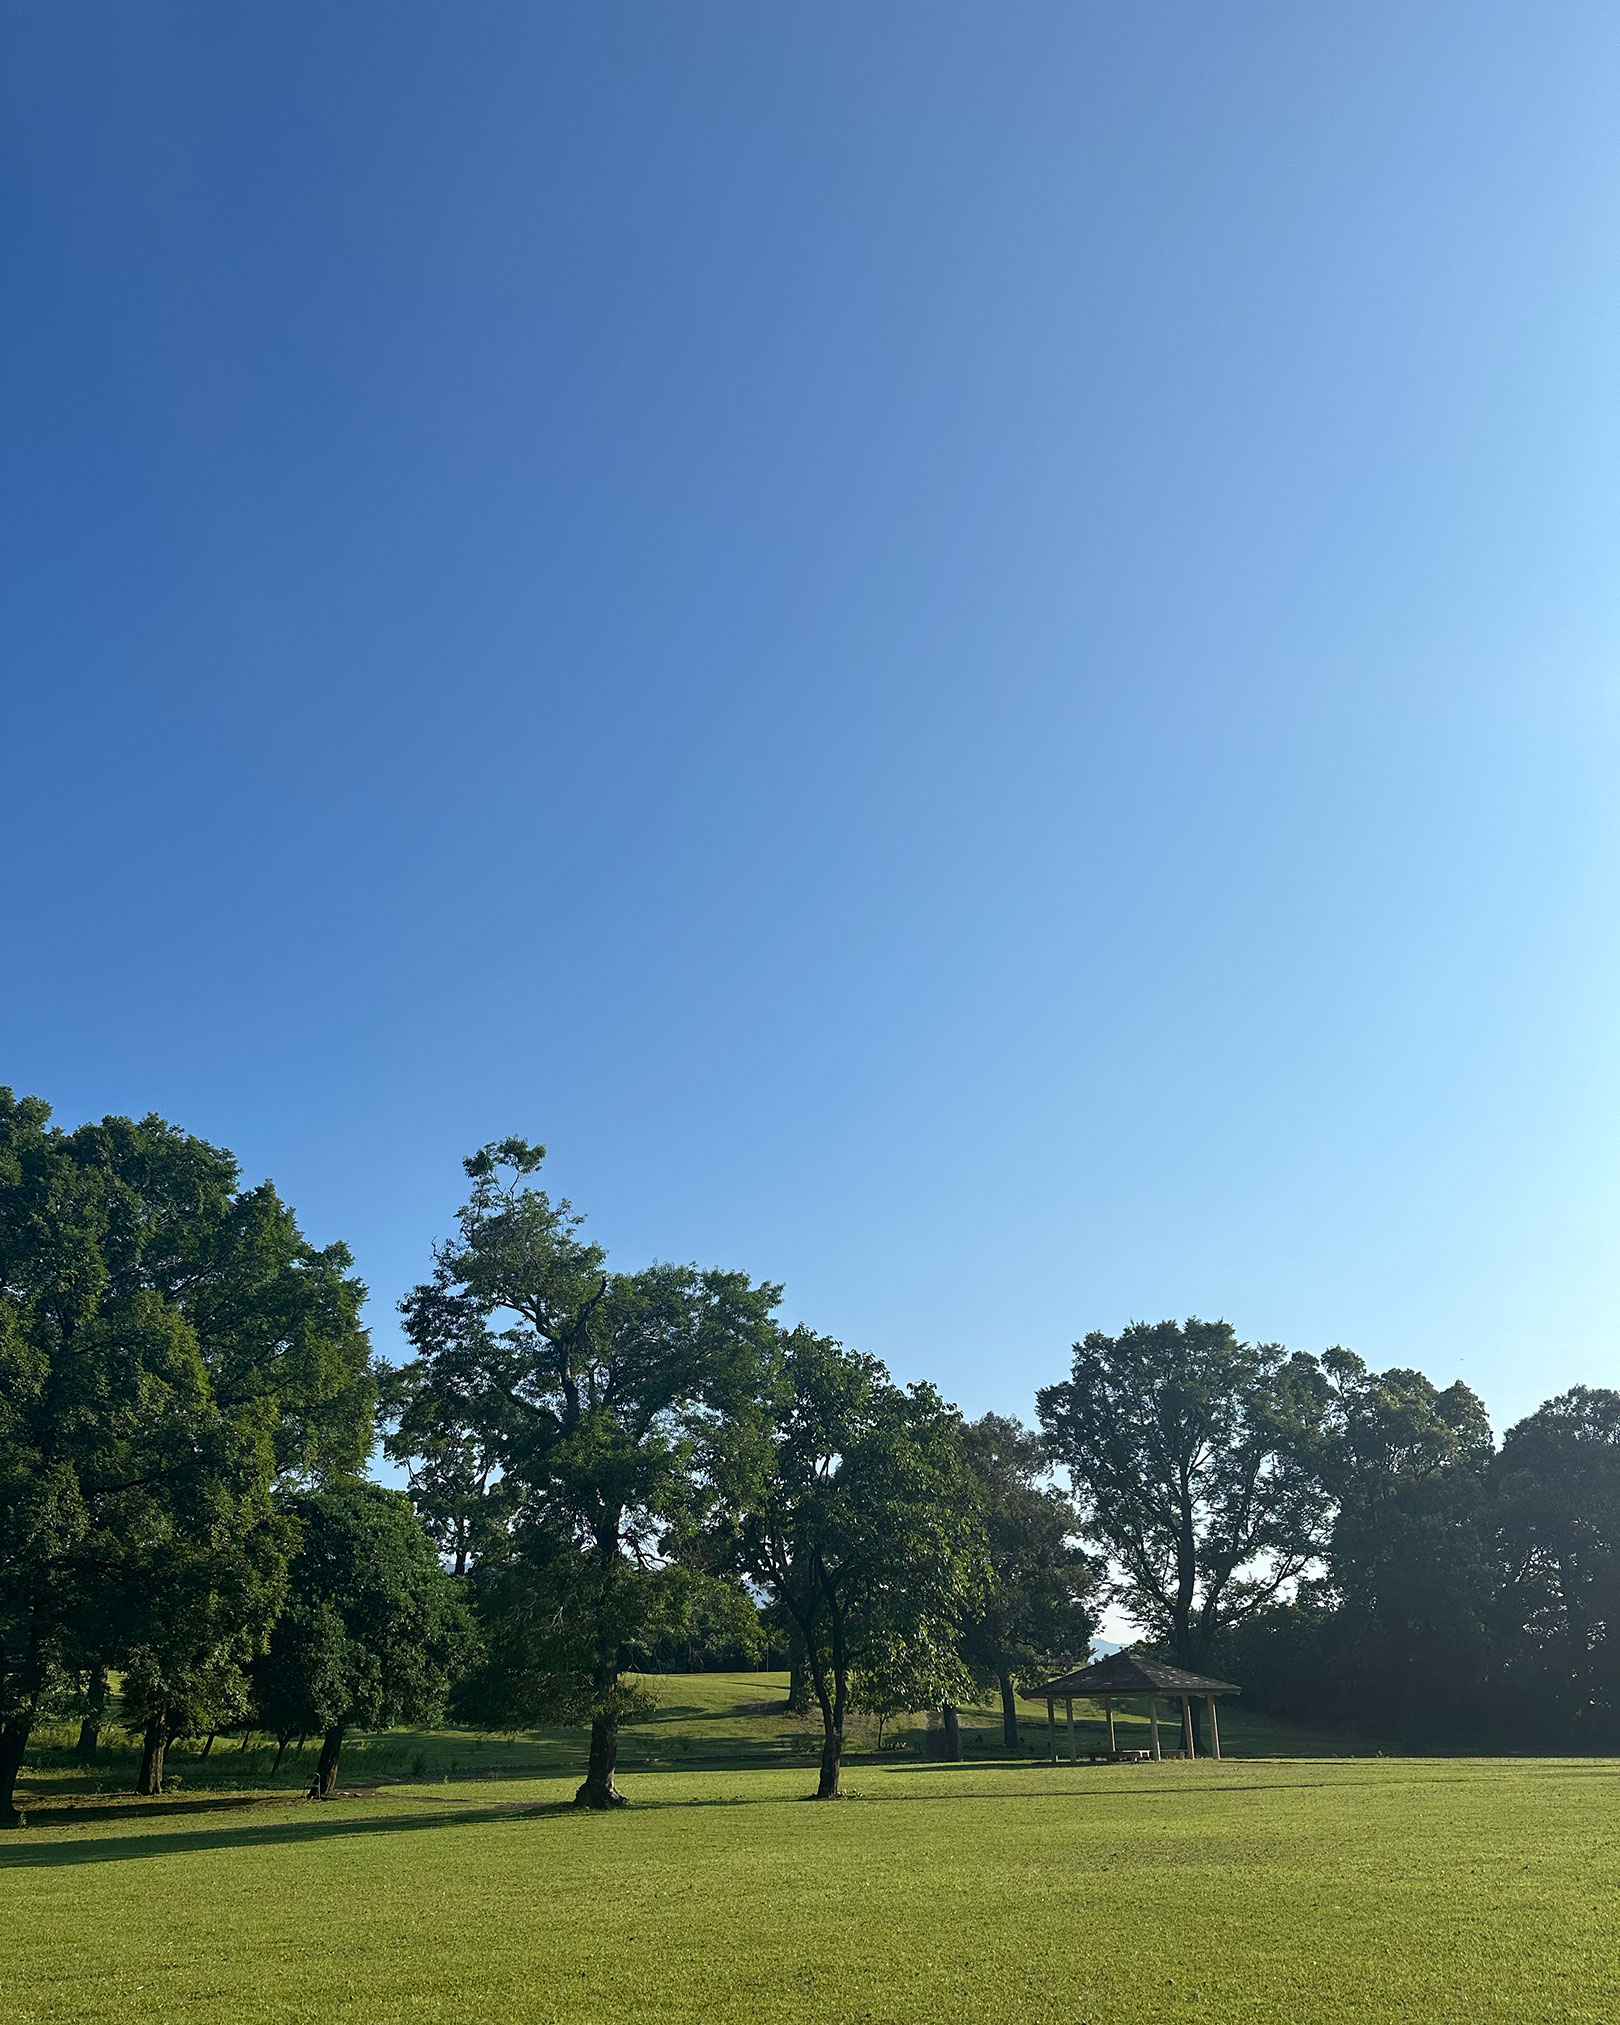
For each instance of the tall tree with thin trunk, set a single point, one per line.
(1041, 1596)
(851, 1506)
(595, 1396)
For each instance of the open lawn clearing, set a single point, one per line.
(1421, 1889)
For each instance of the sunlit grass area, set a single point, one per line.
(1269, 1887)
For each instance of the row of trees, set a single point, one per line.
(1352, 1546)
(607, 1457)
(608, 1466)
(602, 1464)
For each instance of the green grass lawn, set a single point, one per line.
(1277, 1887)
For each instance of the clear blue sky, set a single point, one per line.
(968, 653)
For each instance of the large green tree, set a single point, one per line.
(587, 1400)
(208, 1583)
(1407, 1465)
(169, 1347)
(374, 1633)
(1407, 1566)
(1042, 1589)
(1192, 1455)
(1555, 1516)
(1393, 1633)
(852, 1506)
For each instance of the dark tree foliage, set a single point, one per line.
(705, 1625)
(853, 1507)
(1381, 1428)
(1557, 1534)
(540, 1647)
(168, 1348)
(1190, 1454)
(583, 1401)
(1039, 1601)
(1393, 1635)
(1405, 1464)
(374, 1631)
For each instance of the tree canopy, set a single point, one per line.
(1556, 1514)
(169, 1348)
(1190, 1454)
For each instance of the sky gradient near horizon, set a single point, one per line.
(969, 654)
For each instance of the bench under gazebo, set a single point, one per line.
(1130, 1676)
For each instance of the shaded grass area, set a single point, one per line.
(703, 1720)
(1276, 1889)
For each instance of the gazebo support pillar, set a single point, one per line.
(1113, 1747)
(1214, 1728)
(1153, 1728)
(1051, 1730)
(1188, 1743)
(1068, 1706)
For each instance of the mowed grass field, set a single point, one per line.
(1276, 1887)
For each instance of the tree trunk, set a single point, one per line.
(19, 1725)
(13, 1747)
(90, 1728)
(209, 1745)
(832, 1758)
(281, 1751)
(953, 1733)
(599, 1789)
(1009, 1713)
(326, 1767)
(833, 1708)
(798, 1685)
(153, 1746)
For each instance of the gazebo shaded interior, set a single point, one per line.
(1131, 1676)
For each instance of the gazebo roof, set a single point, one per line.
(1128, 1673)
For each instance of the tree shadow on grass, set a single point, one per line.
(257, 1835)
(53, 1814)
(318, 1826)
(322, 1827)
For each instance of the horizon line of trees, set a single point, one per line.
(608, 1468)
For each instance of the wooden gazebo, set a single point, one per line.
(1129, 1676)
